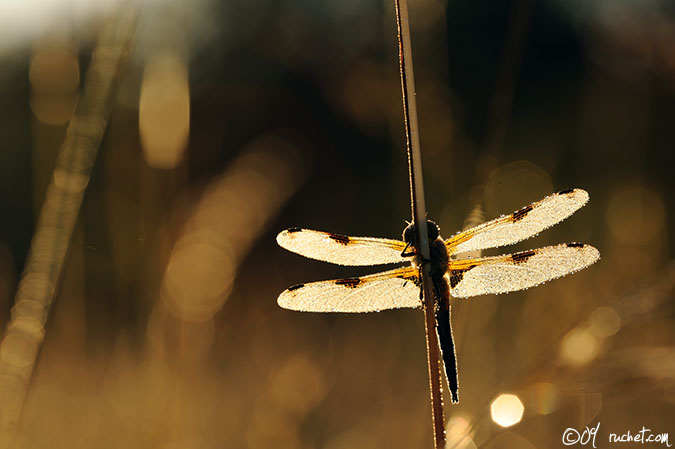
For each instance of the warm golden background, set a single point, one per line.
(237, 119)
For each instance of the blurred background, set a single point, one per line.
(232, 120)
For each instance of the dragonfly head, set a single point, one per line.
(410, 232)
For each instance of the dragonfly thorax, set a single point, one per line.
(438, 255)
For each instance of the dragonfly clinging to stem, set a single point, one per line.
(451, 273)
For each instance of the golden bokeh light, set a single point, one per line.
(579, 346)
(198, 277)
(545, 398)
(459, 434)
(54, 69)
(230, 214)
(55, 77)
(507, 410)
(53, 110)
(164, 111)
(604, 322)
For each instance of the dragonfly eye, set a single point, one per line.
(409, 234)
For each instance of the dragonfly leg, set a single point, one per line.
(406, 253)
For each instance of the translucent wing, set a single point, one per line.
(518, 271)
(520, 225)
(388, 290)
(341, 249)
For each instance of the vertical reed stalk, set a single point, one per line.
(419, 217)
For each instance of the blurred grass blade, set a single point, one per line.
(49, 247)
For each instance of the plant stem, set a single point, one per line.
(419, 217)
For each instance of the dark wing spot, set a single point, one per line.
(519, 215)
(414, 279)
(294, 229)
(295, 287)
(522, 257)
(348, 282)
(457, 275)
(339, 238)
(565, 192)
(575, 245)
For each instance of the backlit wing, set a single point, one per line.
(518, 271)
(520, 225)
(388, 290)
(341, 249)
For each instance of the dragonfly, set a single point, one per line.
(452, 269)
